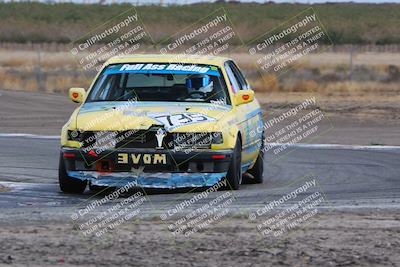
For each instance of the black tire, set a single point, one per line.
(69, 184)
(95, 187)
(257, 170)
(234, 175)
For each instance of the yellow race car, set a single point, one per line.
(159, 121)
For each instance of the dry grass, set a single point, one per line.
(346, 22)
(62, 84)
(31, 59)
(51, 82)
(327, 73)
(11, 82)
(266, 83)
(330, 59)
(361, 89)
(40, 71)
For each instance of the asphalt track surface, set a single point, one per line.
(351, 177)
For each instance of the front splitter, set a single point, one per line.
(149, 180)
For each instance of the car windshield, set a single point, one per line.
(160, 82)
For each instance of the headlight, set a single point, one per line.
(99, 139)
(192, 140)
(197, 140)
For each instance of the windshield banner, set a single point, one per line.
(163, 69)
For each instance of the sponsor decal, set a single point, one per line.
(141, 159)
(171, 121)
(173, 68)
(177, 67)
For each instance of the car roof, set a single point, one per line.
(168, 58)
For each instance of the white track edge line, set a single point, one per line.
(32, 136)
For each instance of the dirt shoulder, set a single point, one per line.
(361, 120)
(335, 239)
(353, 119)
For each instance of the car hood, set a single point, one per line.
(119, 116)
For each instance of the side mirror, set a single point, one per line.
(77, 95)
(244, 96)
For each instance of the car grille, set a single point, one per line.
(144, 139)
(124, 139)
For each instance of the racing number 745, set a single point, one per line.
(180, 119)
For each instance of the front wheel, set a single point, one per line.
(234, 175)
(69, 184)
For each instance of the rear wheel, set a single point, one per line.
(257, 170)
(234, 175)
(69, 184)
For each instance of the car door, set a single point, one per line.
(249, 115)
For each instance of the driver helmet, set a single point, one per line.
(199, 82)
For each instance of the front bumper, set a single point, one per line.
(183, 169)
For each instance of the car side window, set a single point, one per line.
(236, 86)
(239, 76)
(109, 82)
